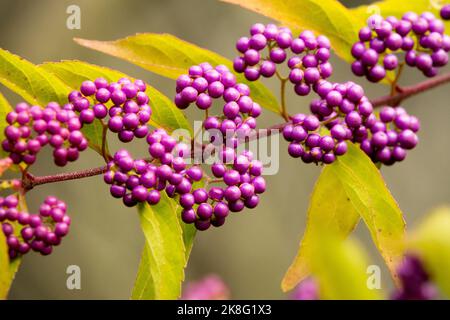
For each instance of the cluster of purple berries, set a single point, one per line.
(203, 85)
(167, 170)
(239, 183)
(389, 137)
(132, 180)
(415, 281)
(124, 101)
(421, 38)
(240, 174)
(348, 115)
(38, 232)
(308, 56)
(343, 109)
(137, 181)
(308, 144)
(31, 127)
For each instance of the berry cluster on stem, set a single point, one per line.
(420, 38)
(37, 232)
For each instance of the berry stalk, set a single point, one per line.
(284, 113)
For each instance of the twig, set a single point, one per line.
(29, 181)
(410, 91)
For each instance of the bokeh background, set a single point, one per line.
(254, 248)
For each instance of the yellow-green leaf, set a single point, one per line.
(339, 266)
(5, 107)
(369, 195)
(73, 73)
(327, 17)
(350, 188)
(398, 8)
(39, 87)
(34, 85)
(7, 270)
(161, 270)
(330, 206)
(432, 241)
(170, 57)
(189, 232)
(5, 279)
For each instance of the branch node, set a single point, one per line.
(28, 181)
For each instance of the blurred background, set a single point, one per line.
(252, 251)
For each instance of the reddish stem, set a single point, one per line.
(407, 92)
(29, 181)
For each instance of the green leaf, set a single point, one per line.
(73, 73)
(7, 270)
(398, 8)
(39, 87)
(34, 85)
(94, 134)
(330, 206)
(369, 195)
(189, 232)
(350, 188)
(5, 279)
(5, 108)
(339, 266)
(161, 270)
(327, 17)
(170, 57)
(432, 241)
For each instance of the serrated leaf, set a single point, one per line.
(161, 270)
(189, 232)
(339, 266)
(34, 85)
(39, 87)
(369, 195)
(5, 108)
(350, 188)
(330, 206)
(94, 134)
(398, 8)
(73, 73)
(169, 56)
(432, 241)
(327, 17)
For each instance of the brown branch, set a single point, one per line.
(29, 181)
(407, 92)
